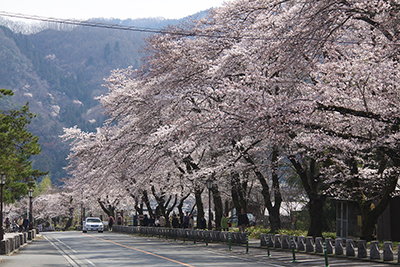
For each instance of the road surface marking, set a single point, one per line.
(91, 263)
(73, 250)
(140, 250)
(73, 261)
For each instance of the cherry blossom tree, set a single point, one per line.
(354, 80)
(314, 80)
(340, 57)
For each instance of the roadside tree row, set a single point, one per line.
(246, 96)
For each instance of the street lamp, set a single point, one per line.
(82, 215)
(2, 183)
(209, 186)
(30, 194)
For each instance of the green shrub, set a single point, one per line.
(292, 232)
(329, 235)
(255, 232)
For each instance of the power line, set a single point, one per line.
(95, 24)
(81, 23)
(161, 31)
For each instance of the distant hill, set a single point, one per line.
(59, 72)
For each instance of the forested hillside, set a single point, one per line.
(60, 72)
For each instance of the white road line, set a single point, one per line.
(73, 250)
(242, 258)
(70, 261)
(91, 263)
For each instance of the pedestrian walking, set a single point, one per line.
(225, 223)
(191, 222)
(8, 224)
(175, 221)
(110, 222)
(202, 224)
(243, 221)
(186, 219)
(162, 221)
(15, 225)
(20, 224)
(152, 221)
(120, 220)
(145, 220)
(25, 224)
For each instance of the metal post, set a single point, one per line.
(209, 210)
(229, 241)
(269, 254)
(184, 235)
(30, 193)
(206, 238)
(195, 235)
(209, 186)
(81, 215)
(30, 213)
(247, 243)
(293, 252)
(1, 214)
(326, 255)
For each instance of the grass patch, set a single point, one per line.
(255, 232)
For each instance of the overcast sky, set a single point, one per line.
(121, 9)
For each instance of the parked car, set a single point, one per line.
(252, 219)
(93, 224)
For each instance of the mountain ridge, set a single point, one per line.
(60, 72)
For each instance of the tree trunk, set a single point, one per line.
(160, 199)
(110, 210)
(226, 207)
(146, 201)
(275, 219)
(273, 210)
(368, 224)
(316, 206)
(199, 204)
(69, 223)
(70, 214)
(238, 193)
(370, 215)
(139, 208)
(311, 182)
(180, 205)
(70, 218)
(218, 207)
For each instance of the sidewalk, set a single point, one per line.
(279, 253)
(39, 253)
(13, 241)
(277, 257)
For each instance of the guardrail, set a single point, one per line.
(13, 241)
(339, 247)
(187, 234)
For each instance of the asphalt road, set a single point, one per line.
(111, 249)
